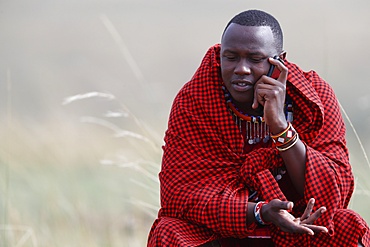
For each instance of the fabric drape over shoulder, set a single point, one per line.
(206, 177)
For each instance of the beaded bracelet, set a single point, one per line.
(291, 144)
(285, 137)
(257, 213)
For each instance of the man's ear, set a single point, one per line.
(282, 55)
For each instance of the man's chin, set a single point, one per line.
(242, 101)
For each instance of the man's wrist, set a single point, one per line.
(258, 213)
(275, 129)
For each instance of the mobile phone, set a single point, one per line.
(274, 73)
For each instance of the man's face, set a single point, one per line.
(244, 59)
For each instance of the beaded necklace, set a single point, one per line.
(256, 129)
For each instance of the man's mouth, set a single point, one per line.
(241, 86)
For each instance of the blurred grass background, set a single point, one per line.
(75, 174)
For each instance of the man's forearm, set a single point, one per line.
(295, 162)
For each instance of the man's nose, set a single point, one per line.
(242, 68)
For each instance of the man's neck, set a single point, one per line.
(246, 108)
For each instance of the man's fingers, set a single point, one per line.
(288, 223)
(302, 229)
(308, 210)
(305, 229)
(316, 228)
(312, 218)
(282, 204)
(289, 206)
(261, 93)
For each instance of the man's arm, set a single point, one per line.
(319, 165)
(270, 93)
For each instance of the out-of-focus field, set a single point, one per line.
(83, 172)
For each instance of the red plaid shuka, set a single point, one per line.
(206, 177)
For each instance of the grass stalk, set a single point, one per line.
(356, 135)
(123, 49)
(7, 162)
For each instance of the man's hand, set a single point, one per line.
(270, 93)
(276, 212)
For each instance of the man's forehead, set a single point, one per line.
(248, 32)
(248, 37)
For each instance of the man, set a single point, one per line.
(254, 158)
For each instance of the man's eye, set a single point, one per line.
(231, 58)
(256, 59)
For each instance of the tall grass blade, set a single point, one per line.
(146, 207)
(119, 133)
(7, 163)
(356, 135)
(123, 48)
(88, 95)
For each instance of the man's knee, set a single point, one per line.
(168, 231)
(175, 232)
(162, 233)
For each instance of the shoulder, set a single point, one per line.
(305, 81)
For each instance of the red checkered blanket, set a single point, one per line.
(206, 177)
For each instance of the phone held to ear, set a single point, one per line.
(273, 72)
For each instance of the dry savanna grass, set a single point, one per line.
(91, 189)
(88, 184)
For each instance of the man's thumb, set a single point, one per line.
(289, 205)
